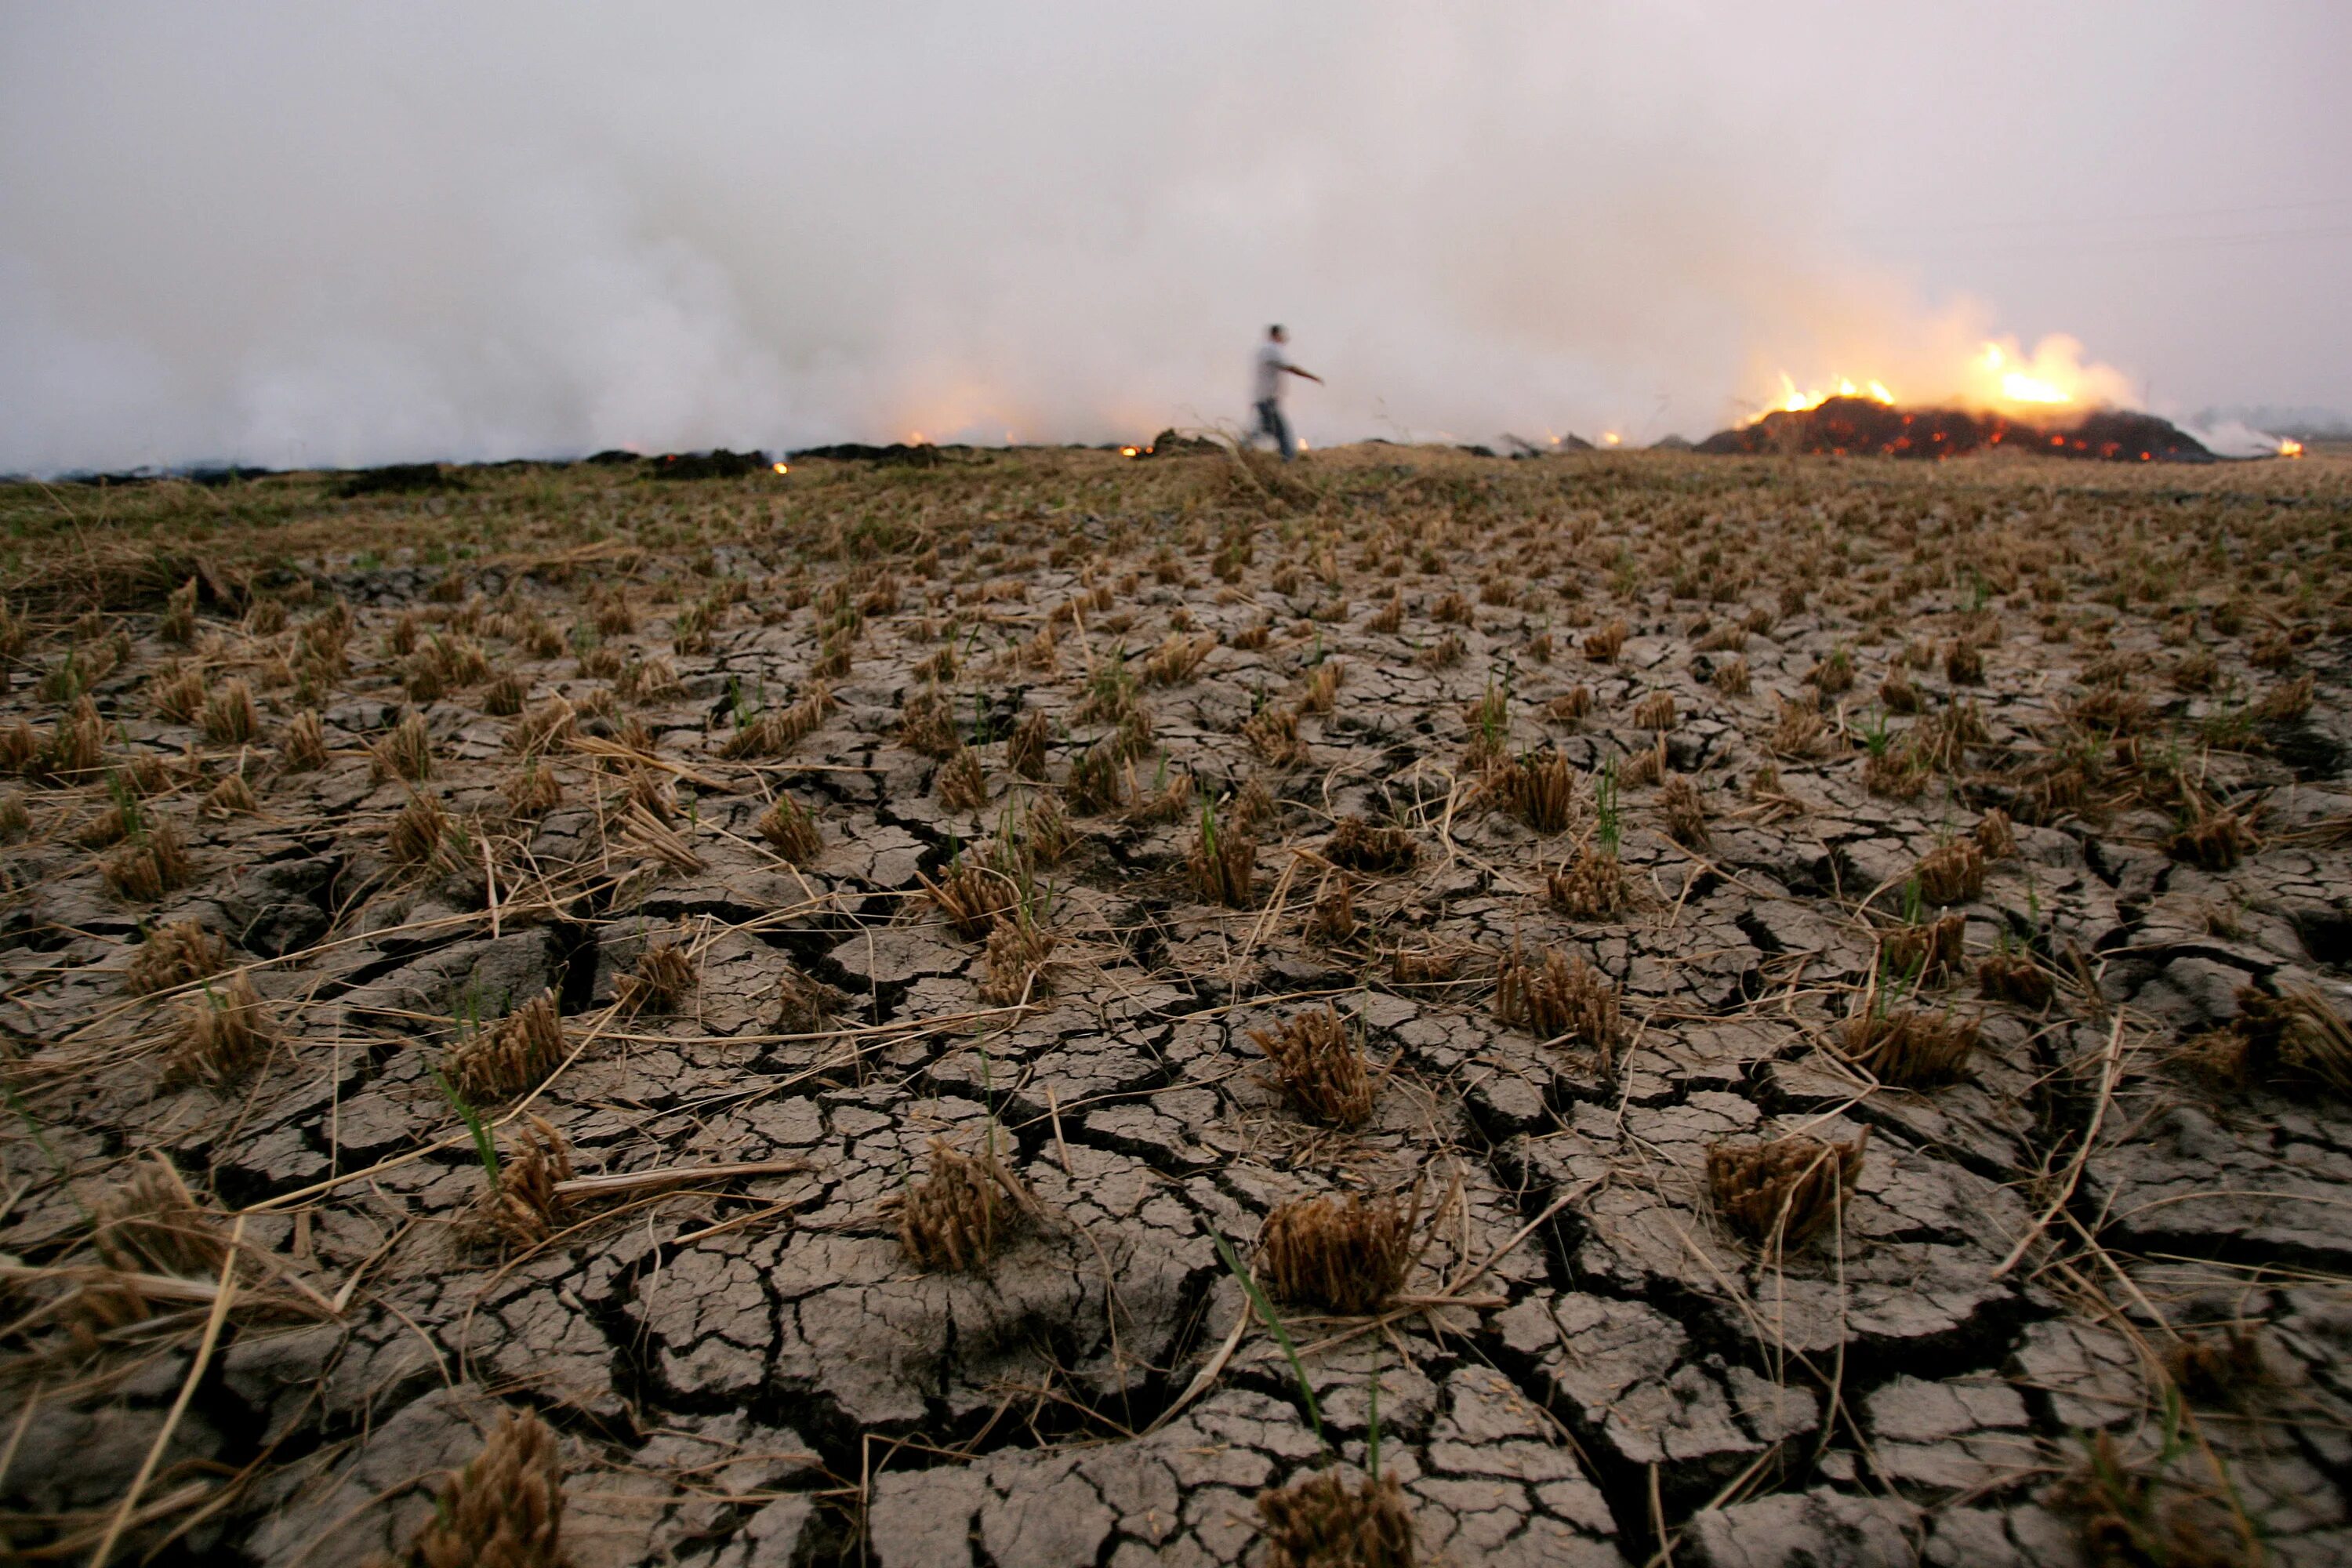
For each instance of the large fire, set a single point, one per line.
(1998, 378)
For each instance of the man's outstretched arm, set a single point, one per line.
(1308, 375)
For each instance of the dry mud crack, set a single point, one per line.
(1823, 987)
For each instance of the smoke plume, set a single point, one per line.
(300, 235)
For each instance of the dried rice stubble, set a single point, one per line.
(2295, 1037)
(302, 743)
(1320, 1521)
(504, 1509)
(223, 1034)
(531, 791)
(1332, 922)
(1320, 1068)
(153, 862)
(518, 1209)
(2148, 1508)
(406, 753)
(1953, 874)
(510, 1057)
(1555, 999)
(1024, 749)
(178, 953)
(1356, 844)
(1223, 862)
(149, 1222)
(1539, 789)
(229, 716)
(1779, 1194)
(1929, 951)
(962, 1211)
(970, 895)
(662, 977)
(1589, 888)
(1018, 955)
(791, 831)
(962, 784)
(805, 1005)
(1684, 811)
(1906, 1048)
(2010, 974)
(1343, 1255)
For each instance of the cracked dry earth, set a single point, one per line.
(342, 819)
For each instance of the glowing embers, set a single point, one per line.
(1843, 427)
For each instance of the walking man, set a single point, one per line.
(1273, 364)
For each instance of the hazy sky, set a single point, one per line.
(347, 234)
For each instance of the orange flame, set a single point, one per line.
(2000, 377)
(2290, 447)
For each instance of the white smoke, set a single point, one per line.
(308, 235)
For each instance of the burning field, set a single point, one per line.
(1033, 1008)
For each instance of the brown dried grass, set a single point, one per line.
(178, 953)
(148, 1223)
(1343, 1255)
(791, 831)
(1356, 844)
(152, 864)
(664, 973)
(1554, 998)
(1019, 951)
(1321, 1522)
(510, 1057)
(1910, 1049)
(504, 1509)
(1319, 1068)
(1953, 874)
(1779, 1194)
(956, 1217)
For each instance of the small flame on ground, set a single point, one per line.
(781, 467)
(1611, 438)
(2290, 447)
(1130, 452)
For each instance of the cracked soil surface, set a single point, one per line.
(289, 848)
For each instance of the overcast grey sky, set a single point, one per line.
(304, 234)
